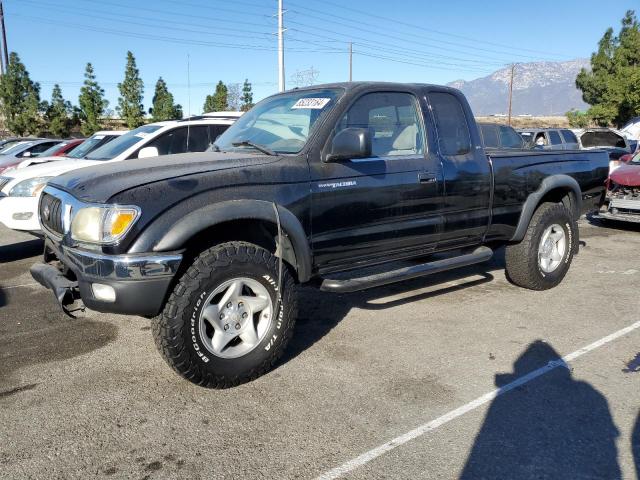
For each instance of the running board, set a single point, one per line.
(479, 255)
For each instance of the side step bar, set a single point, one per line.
(479, 255)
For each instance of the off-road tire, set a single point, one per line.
(172, 329)
(522, 263)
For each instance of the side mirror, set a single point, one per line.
(26, 154)
(147, 152)
(350, 143)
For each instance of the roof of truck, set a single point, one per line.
(371, 84)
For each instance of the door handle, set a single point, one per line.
(427, 177)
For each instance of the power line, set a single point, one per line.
(422, 28)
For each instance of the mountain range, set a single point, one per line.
(539, 88)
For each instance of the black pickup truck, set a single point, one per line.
(314, 185)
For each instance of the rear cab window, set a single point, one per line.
(454, 137)
(554, 137)
(569, 136)
(490, 137)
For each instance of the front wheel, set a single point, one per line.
(542, 259)
(223, 324)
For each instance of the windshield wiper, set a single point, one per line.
(257, 146)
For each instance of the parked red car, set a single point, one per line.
(622, 200)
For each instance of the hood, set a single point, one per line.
(627, 175)
(38, 160)
(49, 169)
(101, 182)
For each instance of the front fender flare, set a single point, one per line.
(158, 238)
(533, 200)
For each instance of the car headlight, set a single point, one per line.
(29, 188)
(103, 224)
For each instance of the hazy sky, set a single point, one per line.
(413, 41)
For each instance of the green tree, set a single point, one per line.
(92, 103)
(163, 107)
(131, 89)
(218, 101)
(20, 99)
(578, 119)
(247, 96)
(609, 86)
(58, 114)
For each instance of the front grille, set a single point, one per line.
(4, 181)
(51, 213)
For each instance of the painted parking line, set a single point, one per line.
(18, 286)
(458, 412)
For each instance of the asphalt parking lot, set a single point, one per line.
(92, 398)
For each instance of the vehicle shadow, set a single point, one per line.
(613, 224)
(3, 298)
(552, 427)
(21, 250)
(320, 312)
(635, 445)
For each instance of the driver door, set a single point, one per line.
(367, 209)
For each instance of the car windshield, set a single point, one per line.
(52, 150)
(115, 147)
(14, 148)
(636, 159)
(85, 147)
(8, 144)
(280, 124)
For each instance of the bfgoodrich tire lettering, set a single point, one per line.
(177, 331)
(522, 259)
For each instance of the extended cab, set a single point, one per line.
(313, 185)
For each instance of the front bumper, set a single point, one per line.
(140, 282)
(624, 210)
(20, 213)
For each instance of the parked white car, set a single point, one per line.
(20, 191)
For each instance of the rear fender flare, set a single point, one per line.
(534, 199)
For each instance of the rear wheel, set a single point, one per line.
(224, 324)
(541, 260)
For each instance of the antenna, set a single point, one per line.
(188, 96)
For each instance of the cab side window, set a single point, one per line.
(510, 138)
(554, 136)
(453, 131)
(392, 120)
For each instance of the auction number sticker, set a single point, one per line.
(314, 103)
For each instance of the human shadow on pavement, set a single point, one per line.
(21, 250)
(552, 427)
(635, 445)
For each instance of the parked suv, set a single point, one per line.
(550, 139)
(500, 137)
(20, 191)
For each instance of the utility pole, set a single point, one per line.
(350, 61)
(280, 49)
(4, 65)
(513, 67)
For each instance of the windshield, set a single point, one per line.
(8, 144)
(14, 148)
(635, 160)
(49, 152)
(85, 147)
(115, 147)
(281, 123)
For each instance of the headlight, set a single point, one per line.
(29, 188)
(103, 224)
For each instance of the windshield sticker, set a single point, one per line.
(313, 103)
(142, 134)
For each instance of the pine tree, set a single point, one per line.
(218, 101)
(58, 114)
(247, 96)
(20, 99)
(92, 103)
(163, 106)
(612, 86)
(131, 89)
